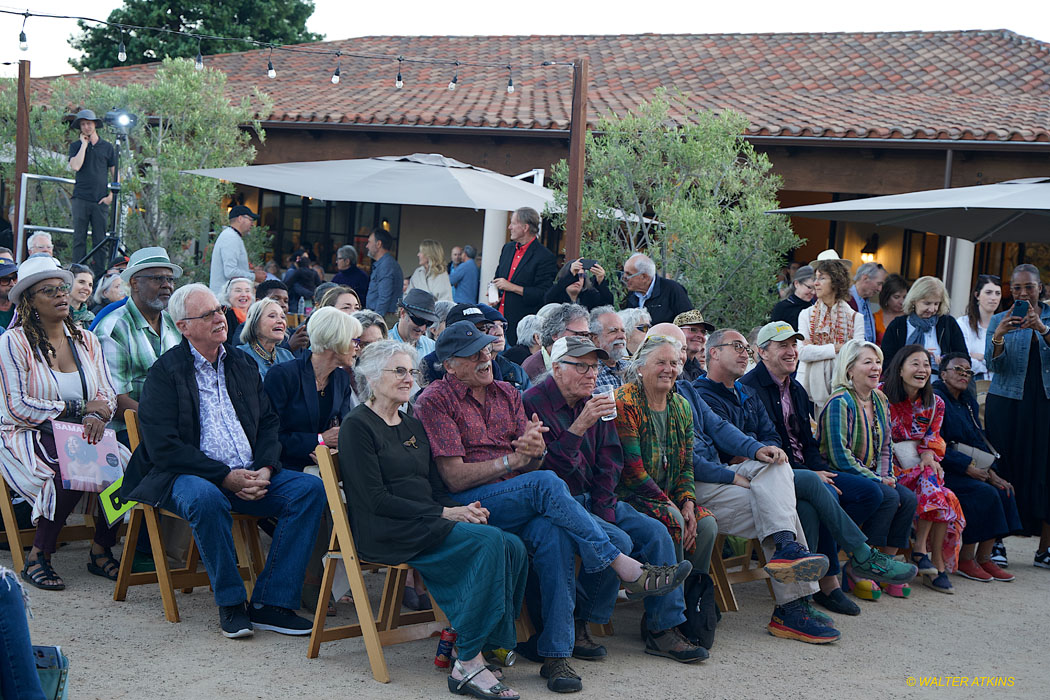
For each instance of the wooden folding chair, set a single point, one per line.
(250, 560)
(390, 626)
(736, 569)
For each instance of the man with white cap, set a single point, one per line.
(141, 330)
(95, 163)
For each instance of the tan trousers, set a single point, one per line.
(757, 512)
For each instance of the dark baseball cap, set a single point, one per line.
(461, 339)
(241, 210)
(465, 312)
(492, 314)
(420, 304)
(8, 269)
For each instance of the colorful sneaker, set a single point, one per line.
(817, 615)
(999, 554)
(882, 568)
(791, 622)
(995, 572)
(1042, 559)
(939, 583)
(863, 588)
(969, 568)
(923, 564)
(793, 563)
(897, 590)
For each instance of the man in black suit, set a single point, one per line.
(526, 271)
(663, 298)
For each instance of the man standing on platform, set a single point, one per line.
(95, 163)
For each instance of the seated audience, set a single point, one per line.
(110, 289)
(488, 452)
(342, 298)
(825, 328)
(528, 334)
(441, 308)
(312, 394)
(969, 471)
(264, 329)
(803, 292)
(209, 447)
(51, 369)
(568, 319)
(891, 304)
(400, 512)
(373, 327)
(636, 324)
(608, 334)
(487, 320)
(238, 295)
(273, 289)
(83, 284)
(695, 329)
(584, 450)
(573, 285)
(415, 314)
(926, 322)
(916, 414)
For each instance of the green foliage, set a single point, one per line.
(691, 193)
(272, 21)
(185, 122)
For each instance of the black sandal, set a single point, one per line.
(42, 574)
(109, 564)
(467, 686)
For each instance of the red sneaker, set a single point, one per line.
(995, 572)
(969, 568)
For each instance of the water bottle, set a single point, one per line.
(301, 309)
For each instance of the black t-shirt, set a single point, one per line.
(92, 180)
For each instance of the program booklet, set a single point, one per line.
(86, 467)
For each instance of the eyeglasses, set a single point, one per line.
(581, 367)
(624, 276)
(644, 328)
(403, 372)
(478, 356)
(738, 347)
(961, 371)
(356, 342)
(209, 314)
(54, 290)
(159, 279)
(487, 326)
(10, 279)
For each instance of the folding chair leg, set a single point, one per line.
(243, 559)
(321, 612)
(14, 538)
(724, 596)
(393, 593)
(127, 558)
(369, 633)
(762, 561)
(160, 560)
(193, 556)
(251, 531)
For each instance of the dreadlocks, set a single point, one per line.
(29, 320)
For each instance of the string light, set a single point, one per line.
(398, 82)
(270, 72)
(455, 78)
(198, 63)
(510, 81)
(22, 43)
(122, 53)
(338, 62)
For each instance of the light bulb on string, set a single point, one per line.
(122, 52)
(398, 82)
(198, 63)
(510, 82)
(335, 75)
(455, 78)
(270, 72)
(23, 44)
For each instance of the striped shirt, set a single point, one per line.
(849, 442)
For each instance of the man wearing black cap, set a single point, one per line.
(93, 160)
(229, 257)
(415, 314)
(487, 320)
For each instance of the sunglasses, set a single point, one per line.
(644, 328)
(10, 279)
(961, 371)
(421, 322)
(53, 290)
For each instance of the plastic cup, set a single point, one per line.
(606, 390)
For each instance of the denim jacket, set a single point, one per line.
(1012, 365)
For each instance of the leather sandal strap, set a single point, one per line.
(467, 679)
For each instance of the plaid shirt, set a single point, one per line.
(458, 426)
(611, 375)
(588, 464)
(131, 346)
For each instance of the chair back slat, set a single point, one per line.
(340, 518)
(131, 419)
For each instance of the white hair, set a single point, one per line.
(331, 329)
(40, 234)
(251, 320)
(229, 285)
(547, 309)
(529, 327)
(643, 264)
(634, 317)
(647, 348)
(177, 302)
(372, 362)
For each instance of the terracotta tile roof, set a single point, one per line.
(958, 85)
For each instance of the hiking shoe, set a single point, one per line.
(235, 621)
(560, 676)
(836, 602)
(939, 583)
(280, 620)
(969, 568)
(995, 572)
(817, 615)
(658, 580)
(791, 622)
(1042, 559)
(586, 649)
(672, 644)
(793, 563)
(999, 554)
(923, 564)
(882, 568)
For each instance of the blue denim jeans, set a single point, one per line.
(295, 499)
(826, 519)
(555, 528)
(647, 540)
(18, 676)
(890, 526)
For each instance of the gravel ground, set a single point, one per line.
(128, 650)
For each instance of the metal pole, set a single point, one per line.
(21, 151)
(949, 252)
(577, 134)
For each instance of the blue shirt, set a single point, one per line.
(865, 311)
(642, 298)
(424, 346)
(222, 435)
(384, 287)
(464, 279)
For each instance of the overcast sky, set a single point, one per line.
(49, 49)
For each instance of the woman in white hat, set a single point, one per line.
(50, 368)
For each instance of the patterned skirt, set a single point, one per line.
(939, 504)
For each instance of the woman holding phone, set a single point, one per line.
(1018, 406)
(574, 286)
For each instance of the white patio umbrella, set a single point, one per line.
(421, 178)
(1012, 211)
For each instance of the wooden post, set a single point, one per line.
(577, 134)
(21, 145)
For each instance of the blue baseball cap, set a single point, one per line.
(461, 339)
(491, 314)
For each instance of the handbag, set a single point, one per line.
(907, 453)
(981, 459)
(53, 668)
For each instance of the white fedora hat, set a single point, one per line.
(145, 258)
(34, 269)
(830, 254)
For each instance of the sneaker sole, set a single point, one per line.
(1004, 580)
(962, 573)
(1040, 565)
(582, 655)
(239, 634)
(576, 685)
(282, 630)
(798, 571)
(788, 633)
(670, 655)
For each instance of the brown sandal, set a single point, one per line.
(658, 580)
